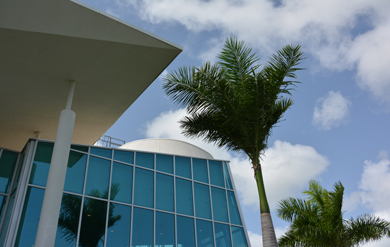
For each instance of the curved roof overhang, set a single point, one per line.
(44, 44)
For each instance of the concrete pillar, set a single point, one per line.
(48, 220)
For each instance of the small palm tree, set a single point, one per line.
(236, 103)
(318, 221)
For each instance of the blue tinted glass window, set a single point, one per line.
(185, 232)
(164, 163)
(233, 209)
(142, 228)
(204, 233)
(184, 203)
(238, 237)
(75, 172)
(202, 201)
(220, 212)
(98, 177)
(101, 152)
(7, 217)
(93, 223)
(68, 221)
(200, 170)
(3, 200)
(165, 229)
(124, 156)
(80, 148)
(222, 235)
(7, 166)
(41, 164)
(164, 192)
(227, 177)
(121, 182)
(143, 187)
(183, 167)
(216, 173)
(118, 232)
(145, 160)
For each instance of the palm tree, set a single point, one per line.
(235, 103)
(318, 221)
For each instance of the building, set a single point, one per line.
(62, 58)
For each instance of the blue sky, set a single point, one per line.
(337, 130)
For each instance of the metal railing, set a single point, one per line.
(109, 142)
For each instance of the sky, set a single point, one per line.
(337, 129)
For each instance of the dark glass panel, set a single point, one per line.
(222, 235)
(199, 168)
(220, 212)
(3, 200)
(143, 187)
(165, 229)
(183, 167)
(238, 235)
(142, 228)
(104, 152)
(41, 163)
(185, 232)
(75, 172)
(164, 192)
(144, 160)
(164, 163)
(118, 232)
(202, 201)
(80, 148)
(204, 233)
(7, 166)
(6, 220)
(93, 223)
(233, 209)
(98, 177)
(184, 203)
(216, 173)
(121, 182)
(227, 176)
(124, 156)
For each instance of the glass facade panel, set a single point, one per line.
(227, 177)
(80, 148)
(164, 192)
(143, 187)
(185, 232)
(142, 235)
(204, 233)
(184, 203)
(103, 152)
(165, 229)
(118, 232)
(75, 172)
(98, 177)
(93, 223)
(216, 173)
(199, 168)
(3, 200)
(183, 167)
(41, 163)
(144, 159)
(220, 212)
(121, 182)
(233, 209)
(124, 156)
(222, 235)
(238, 235)
(7, 166)
(164, 163)
(202, 201)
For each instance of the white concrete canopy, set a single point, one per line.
(44, 44)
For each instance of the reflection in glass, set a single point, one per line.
(6, 220)
(3, 200)
(124, 156)
(41, 164)
(220, 212)
(184, 204)
(101, 152)
(75, 172)
(68, 221)
(164, 192)
(143, 187)
(200, 170)
(183, 167)
(238, 235)
(165, 229)
(143, 233)
(7, 166)
(145, 160)
(185, 232)
(227, 177)
(222, 235)
(164, 163)
(98, 177)
(216, 173)
(204, 233)
(202, 201)
(122, 178)
(119, 233)
(233, 209)
(80, 148)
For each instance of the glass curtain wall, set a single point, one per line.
(124, 198)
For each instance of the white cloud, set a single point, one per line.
(257, 239)
(331, 111)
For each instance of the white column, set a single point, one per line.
(48, 220)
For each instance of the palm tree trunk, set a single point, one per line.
(267, 227)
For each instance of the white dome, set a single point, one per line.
(168, 146)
